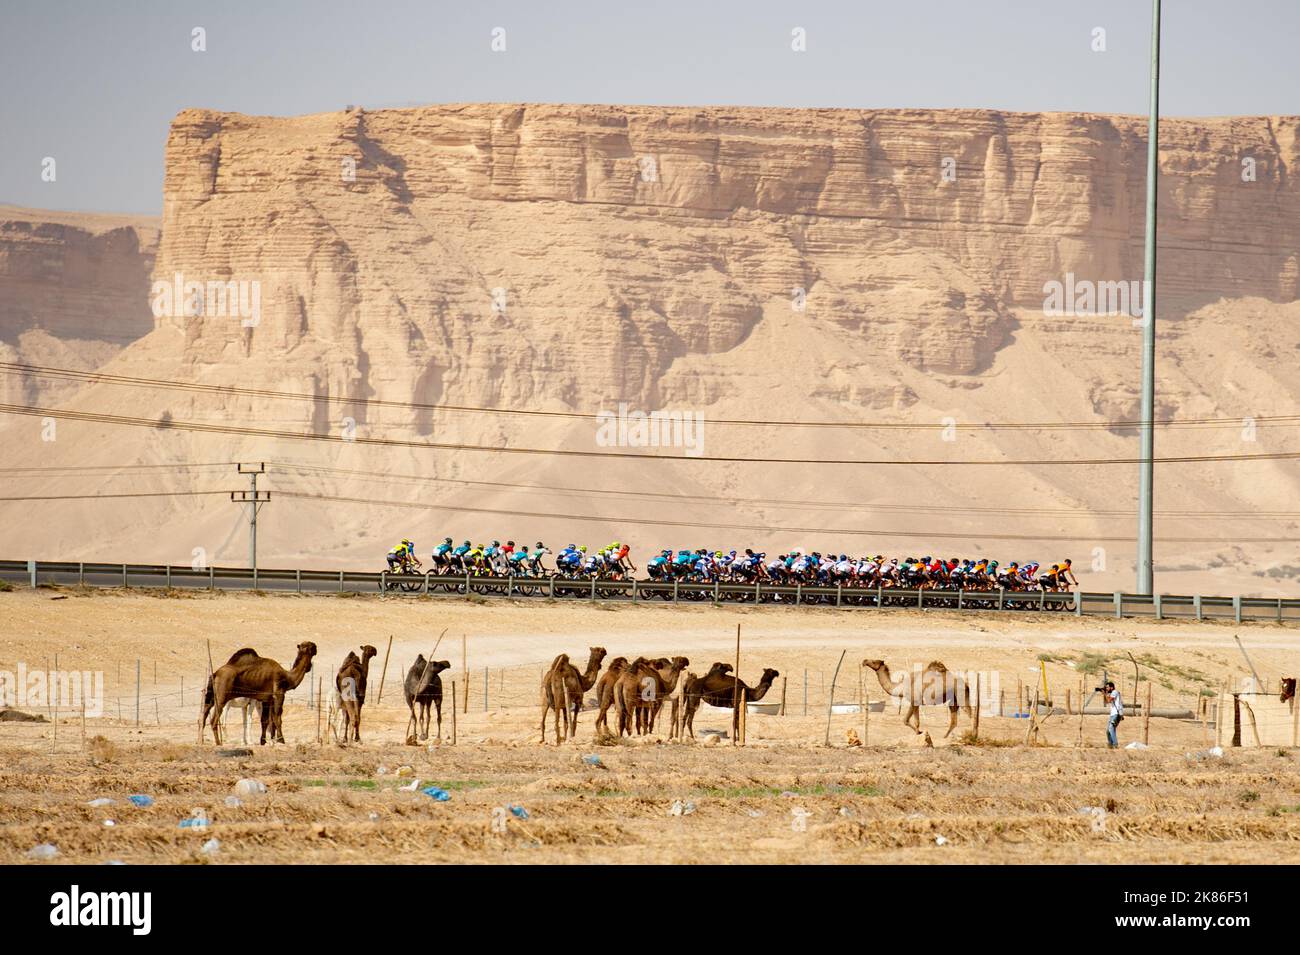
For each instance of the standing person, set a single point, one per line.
(1116, 714)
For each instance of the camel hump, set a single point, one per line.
(561, 660)
(240, 656)
(937, 666)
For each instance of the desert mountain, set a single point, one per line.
(869, 268)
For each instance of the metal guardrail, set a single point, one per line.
(1117, 604)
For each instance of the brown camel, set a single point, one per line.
(678, 697)
(605, 691)
(423, 686)
(930, 687)
(721, 689)
(640, 688)
(258, 678)
(351, 686)
(562, 689)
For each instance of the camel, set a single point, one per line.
(640, 691)
(1288, 688)
(562, 690)
(424, 686)
(605, 691)
(678, 696)
(258, 678)
(351, 686)
(934, 685)
(717, 688)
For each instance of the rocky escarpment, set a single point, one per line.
(517, 255)
(74, 289)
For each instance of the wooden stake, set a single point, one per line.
(866, 715)
(735, 695)
(320, 735)
(1069, 710)
(1295, 721)
(975, 717)
(384, 673)
(453, 712)
(830, 702)
(744, 714)
(1146, 718)
(83, 722)
(1081, 703)
(783, 696)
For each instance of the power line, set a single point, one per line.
(175, 425)
(1075, 512)
(94, 377)
(767, 529)
(93, 497)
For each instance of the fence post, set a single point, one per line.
(212, 577)
(254, 586)
(81, 573)
(1002, 596)
(920, 599)
(798, 593)
(297, 579)
(340, 581)
(510, 589)
(383, 581)
(675, 583)
(839, 595)
(125, 584)
(634, 590)
(1160, 610)
(1279, 609)
(1236, 608)
(31, 572)
(1119, 604)
(593, 588)
(425, 586)
(169, 586)
(960, 594)
(1196, 602)
(1078, 603)
(552, 593)
(1042, 599)
(717, 584)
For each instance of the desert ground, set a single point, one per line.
(785, 796)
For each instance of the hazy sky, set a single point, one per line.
(95, 84)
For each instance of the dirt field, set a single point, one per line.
(783, 797)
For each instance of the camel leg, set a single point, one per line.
(952, 720)
(216, 719)
(913, 710)
(356, 725)
(438, 706)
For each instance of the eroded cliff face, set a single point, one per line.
(516, 255)
(73, 291)
(850, 267)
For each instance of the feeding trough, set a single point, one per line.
(766, 709)
(837, 708)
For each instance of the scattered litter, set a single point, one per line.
(1137, 744)
(250, 787)
(198, 820)
(144, 802)
(592, 760)
(234, 802)
(101, 801)
(787, 794)
(411, 787)
(114, 862)
(940, 841)
(404, 772)
(845, 811)
(1216, 751)
(43, 851)
(210, 847)
(519, 812)
(681, 808)
(439, 794)
(753, 813)
(382, 770)
(109, 823)
(374, 817)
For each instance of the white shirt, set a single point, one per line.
(1116, 704)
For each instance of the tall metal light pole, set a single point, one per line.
(1145, 580)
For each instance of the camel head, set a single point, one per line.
(876, 665)
(1288, 688)
(597, 654)
(367, 652)
(769, 675)
(660, 663)
(306, 650)
(437, 666)
(680, 663)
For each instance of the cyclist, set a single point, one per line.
(518, 561)
(535, 567)
(440, 553)
(402, 557)
(458, 556)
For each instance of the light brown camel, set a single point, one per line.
(562, 689)
(933, 686)
(678, 697)
(351, 686)
(640, 688)
(258, 678)
(605, 691)
(720, 689)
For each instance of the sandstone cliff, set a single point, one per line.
(853, 266)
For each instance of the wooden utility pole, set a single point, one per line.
(830, 702)
(453, 712)
(783, 696)
(975, 717)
